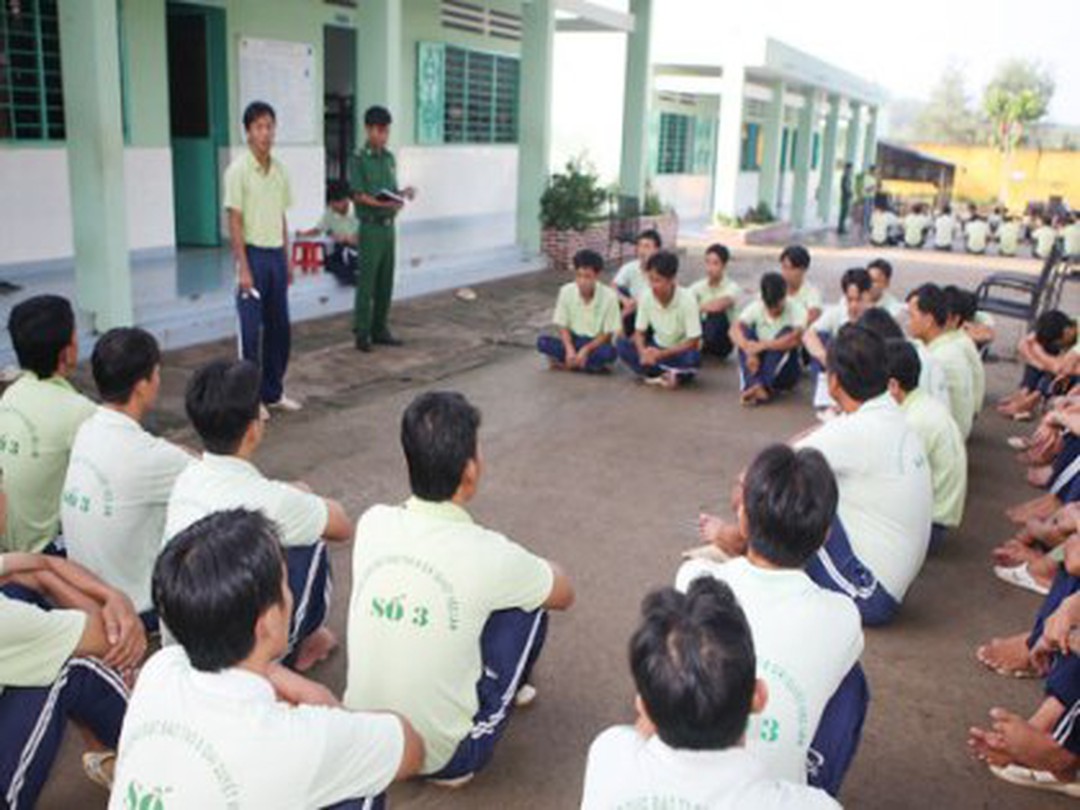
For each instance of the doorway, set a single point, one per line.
(198, 115)
(339, 103)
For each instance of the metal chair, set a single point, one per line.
(1022, 296)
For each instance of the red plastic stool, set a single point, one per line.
(308, 256)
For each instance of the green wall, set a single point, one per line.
(145, 66)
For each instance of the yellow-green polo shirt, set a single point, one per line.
(950, 354)
(675, 323)
(339, 225)
(705, 292)
(600, 316)
(755, 314)
(945, 450)
(261, 197)
(809, 296)
(38, 422)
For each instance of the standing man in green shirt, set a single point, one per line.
(373, 176)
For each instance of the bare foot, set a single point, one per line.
(315, 648)
(1007, 656)
(1042, 507)
(669, 380)
(750, 395)
(1026, 745)
(1040, 476)
(987, 746)
(1043, 570)
(1014, 552)
(725, 536)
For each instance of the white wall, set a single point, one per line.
(148, 185)
(746, 191)
(458, 181)
(689, 194)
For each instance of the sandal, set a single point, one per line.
(95, 764)
(1021, 577)
(1039, 780)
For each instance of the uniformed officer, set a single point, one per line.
(373, 175)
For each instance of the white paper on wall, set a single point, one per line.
(283, 75)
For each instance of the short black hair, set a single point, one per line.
(222, 400)
(719, 251)
(663, 262)
(930, 299)
(439, 434)
(652, 235)
(878, 320)
(122, 358)
(41, 328)
(903, 363)
(857, 358)
(857, 276)
(377, 116)
(773, 289)
(256, 110)
(693, 663)
(796, 256)
(337, 190)
(589, 259)
(962, 303)
(1050, 328)
(213, 581)
(883, 265)
(790, 498)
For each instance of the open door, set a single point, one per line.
(339, 111)
(198, 108)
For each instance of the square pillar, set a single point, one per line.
(634, 160)
(828, 160)
(378, 59)
(870, 148)
(534, 148)
(728, 142)
(90, 61)
(852, 140)
(772, 144)
(803, 151)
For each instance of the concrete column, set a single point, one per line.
(853, 141)
(728, 141)
(773, 141)
(803, 152)
(870, 148)
(90, 60)
(378, 58)
(634, 161)
(534, 148)
(828, 160)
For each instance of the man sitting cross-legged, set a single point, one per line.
(808, 639)
(222, 402)
(768, 333)
(693, 660)
(446, 618)
(215, 720)
(587, 317)
(855, 288)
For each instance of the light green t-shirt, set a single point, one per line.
(977, 233)
(767, 327)
(425, 580)
(978, 370)
(1009, 238)
(339, 225)
(914, 228)
(1070, 236)
(706, 293)
(950, 354)
(600, 316)
(945, 451)
(261, 197)
(38, 422)
(631, 277)
(1044, 239)
(675, 323)
(880, 222)
(809, 296)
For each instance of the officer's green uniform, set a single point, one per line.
(369, 173)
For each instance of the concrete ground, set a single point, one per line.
(607, 476)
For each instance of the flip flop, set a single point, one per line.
(1019, 576)
(1018, 443)
(1039, 780)
(93, 763)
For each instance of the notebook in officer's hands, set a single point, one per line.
(386, 195)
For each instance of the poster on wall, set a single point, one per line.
(283, 75)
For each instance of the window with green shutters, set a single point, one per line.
(750, 148)
(31, 90)
(815, 159)
(466, 96)
(676, 149)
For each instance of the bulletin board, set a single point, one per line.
(283, 75)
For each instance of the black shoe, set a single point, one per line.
(363, 343)
(386, 339)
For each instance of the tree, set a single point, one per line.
(948, 117)
(1017, 97)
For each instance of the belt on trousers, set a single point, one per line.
(384, 221)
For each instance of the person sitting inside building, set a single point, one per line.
(808, 639)
(120, 476)
(768, 334)
(916, 225)
(1050, 363)
(68, 647)
(665, 348)
(446, 618)
(40, 413)
(693, 661)
(282, 741)
(941, 438)
(855, 287)
(794, 265)
(222, 402)
(716, 295)
(587, 317)
(342, 229)
(881, 273)
(632, 279)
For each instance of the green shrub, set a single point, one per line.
(572, 199)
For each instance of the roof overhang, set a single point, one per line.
(582, 15)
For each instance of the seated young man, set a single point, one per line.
(666, 345)
(70, 662)
(881, 272)
(944, 229)
(1009, 236)
(446, 618)
(808, 640)
(1049, 362)
(883, 223)
(768, 333)
(916, 225)
(855, 290)
(931, 376)
(342, 229)
(944, 446)
(794, 265)
(976, 235)
(39, 415)
(879, 539)
(120, 476)
(928, 318)
(716, 295)
(632, 279)
(215, 720)
(222, 402)
(693, 661)
(963, 313)
(587, 317)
